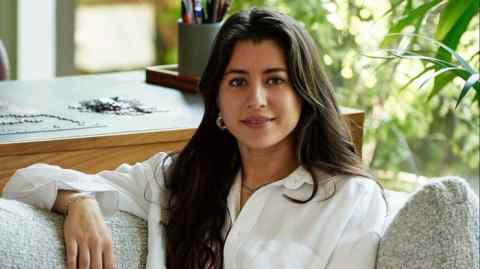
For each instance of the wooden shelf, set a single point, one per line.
(167, 76)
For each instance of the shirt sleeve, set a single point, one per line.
(127, 188)
(357, 247)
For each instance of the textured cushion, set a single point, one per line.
(438, 228)
(33, 238)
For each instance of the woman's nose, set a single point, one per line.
(257, 96)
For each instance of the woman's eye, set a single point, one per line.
(237, 82)
(275, 81)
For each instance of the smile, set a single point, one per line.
(257, 122)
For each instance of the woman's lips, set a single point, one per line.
(257, 121)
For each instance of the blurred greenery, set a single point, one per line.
(405, 131)
(455, 16)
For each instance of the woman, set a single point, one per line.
(270, 178)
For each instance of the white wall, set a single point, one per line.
(36, 39)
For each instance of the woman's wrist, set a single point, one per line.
(66, 198)
(75, 198)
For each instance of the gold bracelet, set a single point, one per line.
(77, 197)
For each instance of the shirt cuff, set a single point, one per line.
(38, 185)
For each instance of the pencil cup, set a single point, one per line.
(195, 42)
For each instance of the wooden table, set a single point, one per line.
(119, 139)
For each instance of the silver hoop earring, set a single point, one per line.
(220, 122)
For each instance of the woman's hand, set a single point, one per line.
(88, 240)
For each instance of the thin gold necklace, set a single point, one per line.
(252, 190)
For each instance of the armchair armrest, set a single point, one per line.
(33, 238)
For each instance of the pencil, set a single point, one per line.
(186, 12)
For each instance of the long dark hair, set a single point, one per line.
(203, 172)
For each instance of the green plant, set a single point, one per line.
(441, 65)
(452, 24)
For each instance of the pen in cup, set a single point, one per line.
(223, 9)
(197, 11)
(187, 11)
(214, 11)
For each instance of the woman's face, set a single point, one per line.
(258, 104)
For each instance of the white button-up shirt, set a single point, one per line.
(270, 231)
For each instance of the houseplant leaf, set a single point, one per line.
(472, 80)
(409, 18)
(439, 72)
(449, 17)
(416, 77)
(451, 40)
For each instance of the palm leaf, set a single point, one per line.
(452, 37)
(459, 58)
(408, 19)
(439, 72)
(472, 80)
(455, 73)
(415, 78)
(441, 81)
(451, 40)
(382, 64)
(464, 70)
(453, 11)
(415, 56)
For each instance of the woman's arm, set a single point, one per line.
(88, 239)
(127, 188)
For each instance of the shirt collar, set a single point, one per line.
(299, 184)
(296, 179)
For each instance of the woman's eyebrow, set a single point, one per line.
(274, 70)
(235, 71)
(266, 71)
